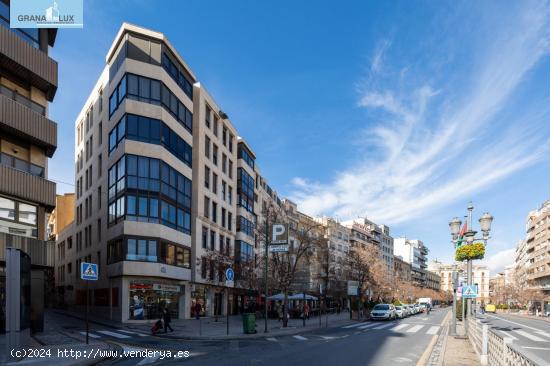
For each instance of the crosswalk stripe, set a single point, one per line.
(367, 326)
(509, 335)
(530, 336)
(433, 330)
(130, 332)
(353, 325)
(416, 328)
(300, 337)
(113, 334)
(384, 326)
(544, 333)
(272, 339)
(400, 326)
(327, 337)
(92, 335)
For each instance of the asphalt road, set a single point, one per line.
(400, 342)
(531, 335)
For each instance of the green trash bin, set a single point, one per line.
(249, 323)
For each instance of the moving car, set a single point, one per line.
(490, 308)
(384, 312)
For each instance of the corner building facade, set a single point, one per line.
(156, 188)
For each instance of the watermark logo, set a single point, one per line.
(46, 14)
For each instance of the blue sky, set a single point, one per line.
(400, 111)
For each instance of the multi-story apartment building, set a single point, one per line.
(497, 286)
(415, 253)
(62, 215)
(365, 231)
(28, 138)
(480, 277)
(537, 248)
(433, 281)
(402, 269)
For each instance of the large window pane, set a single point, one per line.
(132, 126)
(142, 249)
(153, 208)
(143, 206)
(7, 209)
(133, 85)
(144, 87)
(131, 200)
(143, 166)
(152, 251)
(155, 90)
(132, 164)
(27, 214)
(170, 254)
(131, 253)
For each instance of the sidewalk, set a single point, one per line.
(209, 329)
(54, 346)
(458, 351)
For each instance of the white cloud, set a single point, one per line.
(498, 261)
(376, 63)
(439, 146)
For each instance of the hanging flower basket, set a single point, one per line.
(470, 251)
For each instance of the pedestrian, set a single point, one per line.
(338, 308)
(482, 308)
(167, 319)
(306, 310)
(198, 309)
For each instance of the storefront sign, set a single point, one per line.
(168, 288)
(141, 286)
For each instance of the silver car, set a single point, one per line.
(384, 312)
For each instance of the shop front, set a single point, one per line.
(149, 298)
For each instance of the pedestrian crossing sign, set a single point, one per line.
(469, 291)
(88, 271)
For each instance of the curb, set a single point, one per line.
(427, 355)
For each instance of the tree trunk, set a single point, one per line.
(285, 310)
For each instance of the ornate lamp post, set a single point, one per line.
(468, 234)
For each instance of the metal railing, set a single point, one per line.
(13, 95)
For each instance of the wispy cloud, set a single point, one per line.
(436, 144)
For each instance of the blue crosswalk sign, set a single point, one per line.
(469, 291)
(88, 271)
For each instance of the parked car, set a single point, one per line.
(384, 312)
(410, 309)
(490, 308)
(416, 308)
(400, 311)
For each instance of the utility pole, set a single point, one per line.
(265, 271)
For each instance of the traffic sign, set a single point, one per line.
(88, 271)
(469, 291)
(229, 274)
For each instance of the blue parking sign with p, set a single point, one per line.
(88, 271)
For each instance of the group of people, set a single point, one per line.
(303, 308)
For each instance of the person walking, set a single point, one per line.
(306, 310)
(167, 320)
(197, 309)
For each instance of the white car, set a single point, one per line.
(384, 312)
(410, 309)
(400, 311)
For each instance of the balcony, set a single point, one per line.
(28, 124)
(42, 252)
(27, 186)
(22, 165)
(27, 62)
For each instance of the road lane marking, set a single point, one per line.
(400, 326)
(508, 335)
(540, 348)
(299, 337)
(272, 339)
(516, 323)
(433, 330)
(384, 326)
(92, 335)
(328, 337)
(544, 334)
(416, 328)
(113, 334)
(353, 325)
(367, 326)
(530, 336)
(130, 332)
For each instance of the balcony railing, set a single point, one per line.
(22, 165)
(12, 94)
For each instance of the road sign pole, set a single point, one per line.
(266, 264)
(87, 305)
(227, 311)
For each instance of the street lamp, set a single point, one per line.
(485, 222)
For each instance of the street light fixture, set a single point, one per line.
(485, 222)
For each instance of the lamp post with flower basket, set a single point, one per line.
(467, 246)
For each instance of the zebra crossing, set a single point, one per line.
(522, 334)
(118, 334)
(395, 327)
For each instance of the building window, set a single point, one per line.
(148, 250)
(100, 132)
(179, 77)
(212, 240)
(245, 226)
(206, 177)
(215, 154)
(214, 212)
(229, 221)
(204, 237)
(244, 153)
(152, 131)
(222, 243)
(214, 183)
(230, 169)
(224, 189)
(207, 116)
(207, 147)
(206, 207)
(245, 251)
(245, 190)
(203, 267)
(151, 91)
(223, 216)
(18, 218)
(224, 163)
